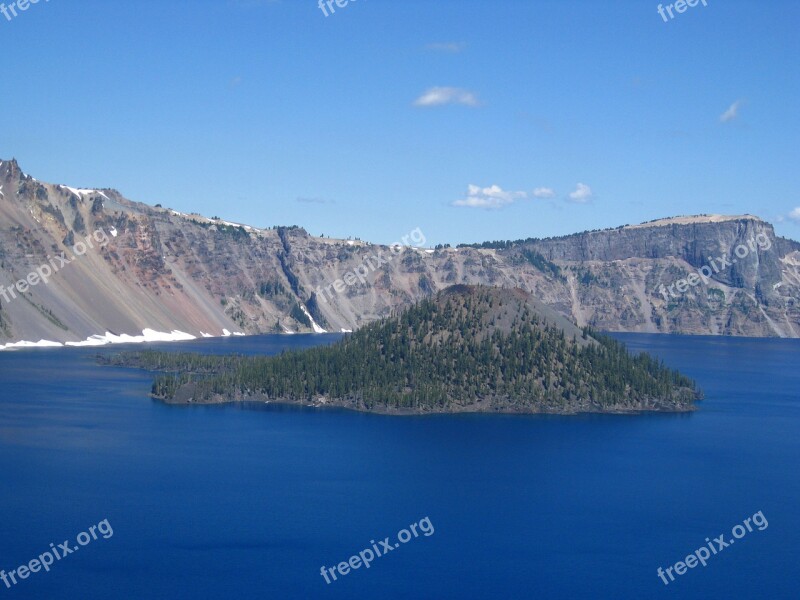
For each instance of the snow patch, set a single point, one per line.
(39, 344)
(81, 192)
(226, 333)
(314, 326)
(148, 335)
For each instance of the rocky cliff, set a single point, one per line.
(81, 262)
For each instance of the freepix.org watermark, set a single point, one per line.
(702, 554)
(10, 11)
(48, 558)
(704, 273)
(43, 273)
(370, 264)
(680, 7)
(382, 548)
(330, 5)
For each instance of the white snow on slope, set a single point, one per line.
(39, 344)
(317, 328)
(148, 335)
(80, 193)
(226, 333)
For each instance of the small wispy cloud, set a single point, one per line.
(235, 81)
(732, 113)
(309, 200)
(582, 194)
(795, 215)
(544, 193)
(448, 47)
(441, 96)
(489, 197)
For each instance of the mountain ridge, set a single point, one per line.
(168, 271)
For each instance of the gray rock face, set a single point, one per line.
(150, 267)
(696, 243)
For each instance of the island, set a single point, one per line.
(466, 349)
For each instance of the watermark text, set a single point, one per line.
(702, 554)
(382, 548)
(48, 558)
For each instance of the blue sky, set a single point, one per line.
(387, 116)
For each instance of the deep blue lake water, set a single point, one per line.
(251, 501)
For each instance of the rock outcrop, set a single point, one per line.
(130, 266)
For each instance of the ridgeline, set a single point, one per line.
(467, 349)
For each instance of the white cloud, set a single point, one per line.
(582, 194)
(450, 47)
(490, 197)
(439, 96)
(795, 215)
(732, 112)
(544, 192)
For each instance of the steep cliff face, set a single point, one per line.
(121, 267)
(744, 280)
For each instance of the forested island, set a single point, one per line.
(467, 349)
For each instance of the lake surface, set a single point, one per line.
(252, 500)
